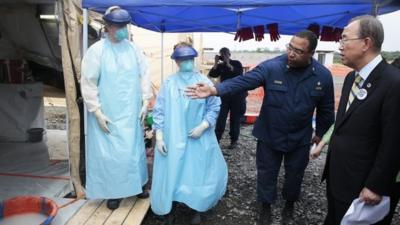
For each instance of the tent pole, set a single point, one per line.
(375, 8)
(162, 57)
(239, 14)
(85, 31)
(84, 49)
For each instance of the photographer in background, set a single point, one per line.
(225, 68)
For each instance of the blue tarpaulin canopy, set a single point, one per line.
(230, 15)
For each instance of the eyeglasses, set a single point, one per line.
(297, 51)
(344, 41)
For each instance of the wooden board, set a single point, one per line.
(85, 212)
(119, 215)
(94, 212)
(100, 215)
(138, 212)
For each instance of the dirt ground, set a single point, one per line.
(238, 206)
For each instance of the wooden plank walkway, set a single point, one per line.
(95, 212)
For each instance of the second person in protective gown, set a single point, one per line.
(189, 166)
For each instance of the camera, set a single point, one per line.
(221, 58)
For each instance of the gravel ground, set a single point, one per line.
(238, 206)
(55, 117)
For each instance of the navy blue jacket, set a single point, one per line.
(291, 97)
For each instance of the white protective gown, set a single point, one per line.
(115, 79)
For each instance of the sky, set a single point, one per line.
(390, 25)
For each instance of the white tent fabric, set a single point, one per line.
(21, 108)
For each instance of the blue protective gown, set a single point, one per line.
(116, 165)
(194, 171)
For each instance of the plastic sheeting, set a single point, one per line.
(30, 37)
(229, 15)
(25, 169)
(21, 108)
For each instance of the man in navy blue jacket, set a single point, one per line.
(295, 86)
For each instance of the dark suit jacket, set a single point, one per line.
(364, 149)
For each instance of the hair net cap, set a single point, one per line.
(116, 15)
(184, 52)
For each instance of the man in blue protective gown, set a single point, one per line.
(295, 86)
(116, 89)
(188, 165)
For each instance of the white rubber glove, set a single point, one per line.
(160, 145)
(102, 120)
(198, 131)
(143, 111)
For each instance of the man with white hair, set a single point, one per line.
(363, 154)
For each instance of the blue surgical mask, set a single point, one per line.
(187, 66)
(121, 34)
